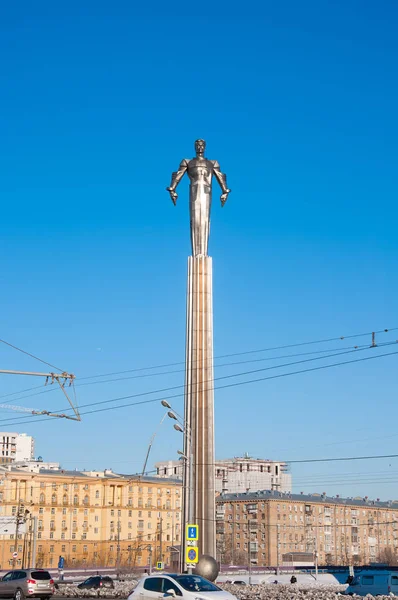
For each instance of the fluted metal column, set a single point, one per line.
(199, 402)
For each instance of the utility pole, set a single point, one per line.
(250, 553)
(252, 512)
(19, 521)
(150, 560)
(29, 549)
(33, 565)
(316, 557)
(118, 545)
(277, 549)
(161, 539)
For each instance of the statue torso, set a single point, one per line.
(200, 171)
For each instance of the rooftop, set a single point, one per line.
(309, 498)
(106, 474)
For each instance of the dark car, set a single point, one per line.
(96, 583)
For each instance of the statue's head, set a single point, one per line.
(200, 146)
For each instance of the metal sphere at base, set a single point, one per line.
(207, 567)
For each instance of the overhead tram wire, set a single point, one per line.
(227, 377)
(230, 385)
(158, 391)
(163, 373)
(352, 350)
(386, 330)
(31, 355)
(269, 349)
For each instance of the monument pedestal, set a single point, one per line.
(199, 405)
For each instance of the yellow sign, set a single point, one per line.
(192, 555)
(159, 566)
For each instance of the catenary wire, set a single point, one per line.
(215, 379)
(31, 355)
(235, 384)
(162, 373)
(269, 349)
(216, 366)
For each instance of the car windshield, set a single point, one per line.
(40, 575)
(195, 583)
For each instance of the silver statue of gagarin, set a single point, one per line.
(200, 172)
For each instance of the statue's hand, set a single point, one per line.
(224, 197)
(173, 195)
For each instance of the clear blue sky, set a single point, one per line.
(298, 102)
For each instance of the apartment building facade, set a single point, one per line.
(90, 518)
(268, 525)
(16, 447)
(239, 474)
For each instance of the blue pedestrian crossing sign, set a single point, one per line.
(192, 533)
(192, 555)
(159, 566)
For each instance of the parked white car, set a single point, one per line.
(182, 587)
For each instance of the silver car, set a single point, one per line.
(180, 587)
(23, 583)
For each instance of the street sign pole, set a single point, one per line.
(191, 545)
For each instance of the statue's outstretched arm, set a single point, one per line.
(222, 180)
(175, 180)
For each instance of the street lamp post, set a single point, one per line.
(187, 481)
